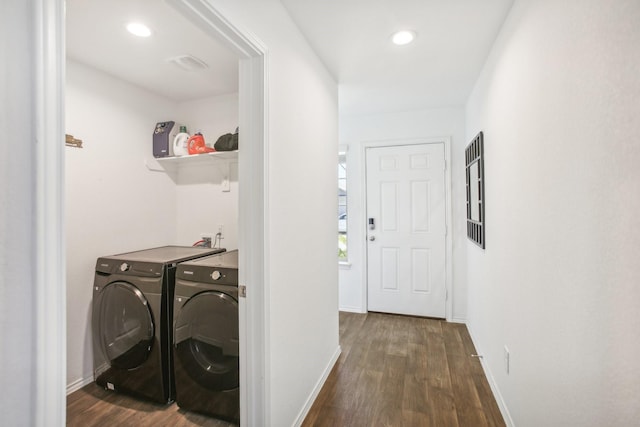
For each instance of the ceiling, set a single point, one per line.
(351, 37)
(438, 69)
(96, 36)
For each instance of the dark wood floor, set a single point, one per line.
(92, 406)
(393, 371)
(404, 371)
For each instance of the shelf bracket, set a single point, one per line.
(152, 169)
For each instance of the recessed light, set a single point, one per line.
(138, 29)
(403, 37)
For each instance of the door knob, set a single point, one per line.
(372, 238)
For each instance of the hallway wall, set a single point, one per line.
(431, 123)
(558, 282)
(18, 284)
(301, 328)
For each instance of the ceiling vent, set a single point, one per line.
(188, 63)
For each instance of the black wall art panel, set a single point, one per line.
(474, 154)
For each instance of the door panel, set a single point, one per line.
(389, 266)
(420, 206)
(406, 248)
(420, 278)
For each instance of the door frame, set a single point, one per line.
(253, 219)
(446, 141)
(50, 272)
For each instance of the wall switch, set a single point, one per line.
(506, 359)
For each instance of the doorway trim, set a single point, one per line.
(252, 175)
(50, 289)
(50, 269)
(448, 214)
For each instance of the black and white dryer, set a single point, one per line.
(132, 320)
(206, 346)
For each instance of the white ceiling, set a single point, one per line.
(96, 36)
(438, 69)
(352, 38)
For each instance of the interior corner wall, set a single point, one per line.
(558, 282)
(302, 272)
(114, 203)
(357, 129)
(201, 204)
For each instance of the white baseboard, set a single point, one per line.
(348, 309)
(316, 390)
(492, 383)
(78, 384)
(457, 320)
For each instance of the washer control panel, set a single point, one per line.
(105, 265)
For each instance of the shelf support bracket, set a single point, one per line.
(151, 168)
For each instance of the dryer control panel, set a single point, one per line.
(140, 269)
(220, 269)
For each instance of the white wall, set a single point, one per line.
(115, 204)
(201, 204)
(302, 323)
(558, 281)
(17, 237)
(357, 129)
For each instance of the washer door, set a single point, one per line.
(206, 340)
(126, 325)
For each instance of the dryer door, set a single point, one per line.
(206, 340)
(125, 325)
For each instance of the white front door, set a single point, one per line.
(406, 229)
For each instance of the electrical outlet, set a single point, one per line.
(506, 359)
(208, 235)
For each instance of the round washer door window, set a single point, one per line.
(126, 325)
(206, 340)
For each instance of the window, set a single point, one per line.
(342, 206)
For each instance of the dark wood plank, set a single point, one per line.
(365, 396)
(489, 405)
(388, 403)
(415, 396)
(416, 419)
(440, 393)
(469, 409)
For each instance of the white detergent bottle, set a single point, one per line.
(180, 143)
